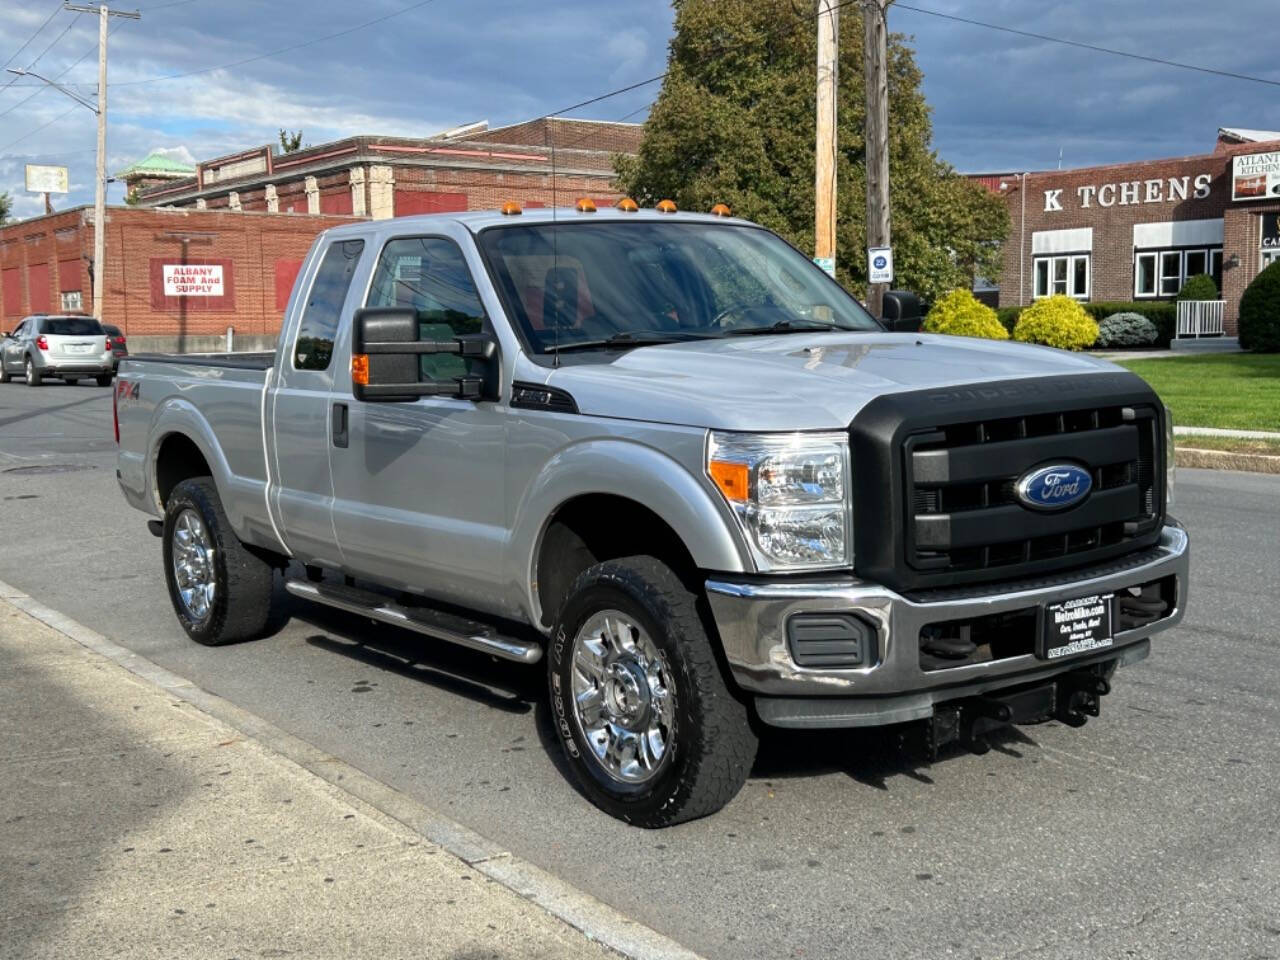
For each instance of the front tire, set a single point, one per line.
(650, 728)
(33, 375)
(220, 591)
(4, 374)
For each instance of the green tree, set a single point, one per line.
(734, 123)
(290, 142)
(6, 206)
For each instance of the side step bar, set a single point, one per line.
(432, 623)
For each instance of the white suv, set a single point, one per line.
(70, 348)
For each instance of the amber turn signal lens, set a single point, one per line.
(627, 205)
(360, 369)
(586, 205)
(731, 478)
(511, 209)
(721, 210)
(666, 206)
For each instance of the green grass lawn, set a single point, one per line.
(1238, 390)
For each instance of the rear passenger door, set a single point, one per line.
(300, 412)
(419, 486)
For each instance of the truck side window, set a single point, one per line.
(429, 275)
(314, 347)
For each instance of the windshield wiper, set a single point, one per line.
(622, 340)
(783, 326)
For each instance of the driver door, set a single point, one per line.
(419, 485)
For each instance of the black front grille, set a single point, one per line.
(935, 476)
(961, 483)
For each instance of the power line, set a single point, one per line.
(47, 48)
(1088, 46)
(14, 56)
(32, 133)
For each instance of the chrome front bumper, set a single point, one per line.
(752, 617)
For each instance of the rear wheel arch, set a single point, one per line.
(177, 458)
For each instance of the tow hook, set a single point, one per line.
(1071, 698)
(1079, 697)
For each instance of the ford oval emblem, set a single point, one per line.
(1055, 487)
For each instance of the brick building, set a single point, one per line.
(472, 168)
(244, 263)
(220, 247)
(1137, 231)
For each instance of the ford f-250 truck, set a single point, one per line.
(669, 456)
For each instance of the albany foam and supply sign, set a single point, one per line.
(1255, 176)
(193, 280)
(197, 285)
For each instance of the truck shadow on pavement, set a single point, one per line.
(869, 756)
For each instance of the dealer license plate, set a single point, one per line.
(1076, 626)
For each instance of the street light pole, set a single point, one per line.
(100, 191)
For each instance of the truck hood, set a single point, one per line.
(796, 381)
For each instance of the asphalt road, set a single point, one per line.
(1151, 832)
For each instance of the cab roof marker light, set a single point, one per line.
(511, 209)
(666, 206)
(627, 205)
(721, 210)
(585, 205)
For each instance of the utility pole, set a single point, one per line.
(875, 55)
(824, 245)
(100, 192)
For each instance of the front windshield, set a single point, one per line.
(610, 282)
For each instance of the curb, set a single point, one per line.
(1226, 460)
(594, 919)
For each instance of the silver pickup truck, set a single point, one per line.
(669, 456)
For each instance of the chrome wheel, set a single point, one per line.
(33, 378)
(623, 700)
(193, 567)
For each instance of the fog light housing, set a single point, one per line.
(831, 641)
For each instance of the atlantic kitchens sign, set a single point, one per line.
(1131, 192)
(1255, 176)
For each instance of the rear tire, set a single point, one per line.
(33, 375)
(220, 591)
(104, 380)
(72, 381)
(649, 726)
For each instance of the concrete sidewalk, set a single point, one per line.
(132, 823)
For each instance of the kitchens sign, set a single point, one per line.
(1132, 192)
(192, 279)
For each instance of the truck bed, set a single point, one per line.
(238, 361)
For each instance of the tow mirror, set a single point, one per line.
(902, 312)
(396, 356)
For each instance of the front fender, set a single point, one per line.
(636, 472)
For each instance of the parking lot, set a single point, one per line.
(1151, 832)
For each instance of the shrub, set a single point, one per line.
(1199, 287)
(1008, 317)
(1127, 330)
(1260, 312)
(960, 314)
(1057, 321)
(1162, 313)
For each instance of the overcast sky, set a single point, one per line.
(1000, 102)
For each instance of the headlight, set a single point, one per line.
(790, 493)
(1169, 469)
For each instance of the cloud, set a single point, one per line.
(999, 101)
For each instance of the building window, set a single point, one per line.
(1162, 273)
(71, 301)
(1067, 274)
